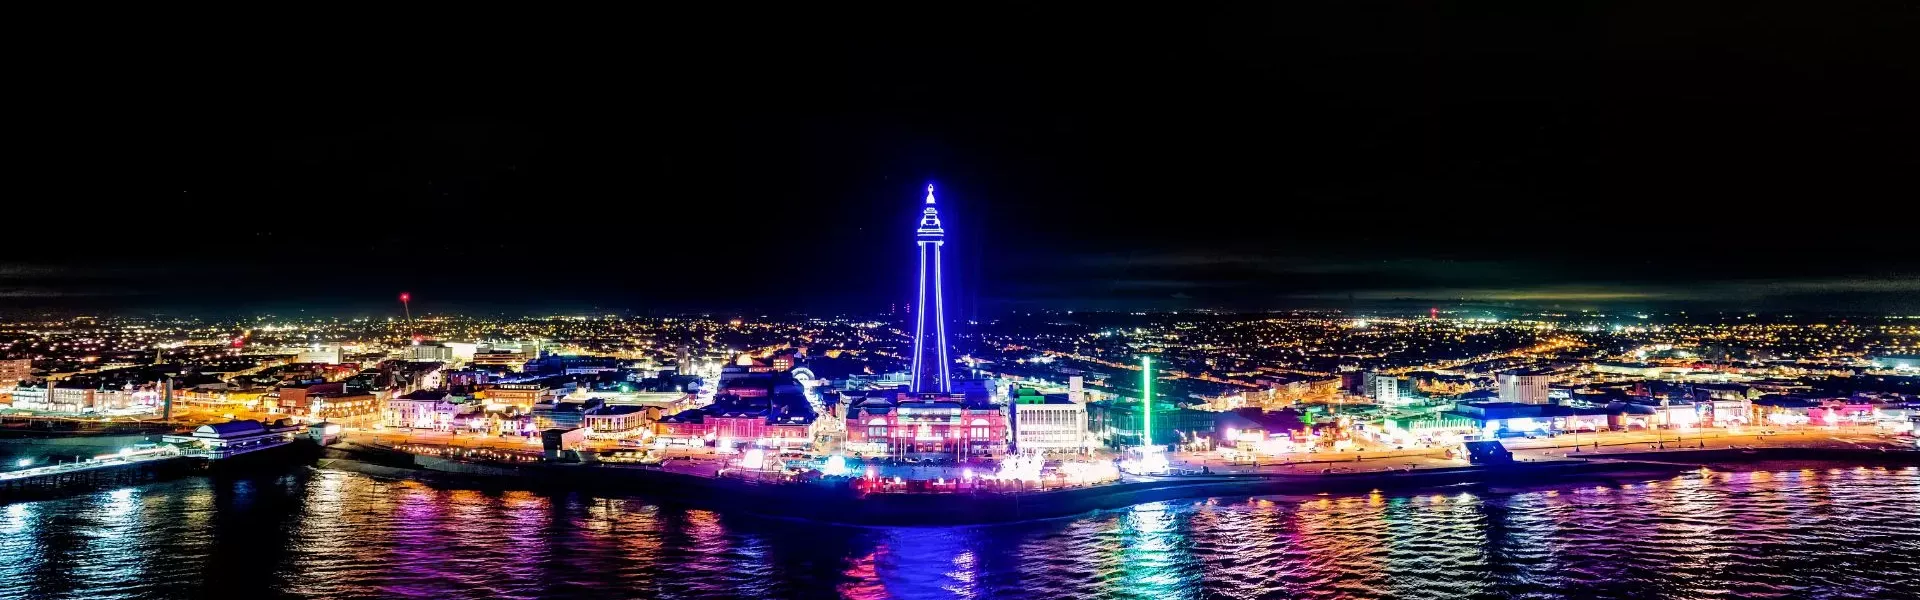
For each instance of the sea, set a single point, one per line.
(1808, 532)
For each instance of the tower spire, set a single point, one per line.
(929, 194)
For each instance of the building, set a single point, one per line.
(782, 361)
(515, 360)
(523, 395)
(408, 376)
(1046, 423)
(31, 397)
(319, 354)
(1508, 419)
(345, 408)
(781, 420)
(429, 353)
(907, 423)
(425, 409)
(220, 396)
(1121, 423)
(1383, 388)
(616, 421)
(52, 397)
(1893, 362)
(930, 364)
(1524, 387)
(1435, 428)
(15, 371)
(294, 399)
(233, 438)
(563, 415)
(1263, 432)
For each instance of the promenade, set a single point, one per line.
(1365, 458)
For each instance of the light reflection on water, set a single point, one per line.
(1852, 533)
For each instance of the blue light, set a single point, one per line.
(929, 237)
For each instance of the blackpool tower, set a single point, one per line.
(930, 311)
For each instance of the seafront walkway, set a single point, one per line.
(1563, 447)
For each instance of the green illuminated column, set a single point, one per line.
(1146, 400)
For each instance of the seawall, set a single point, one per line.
(839, 502)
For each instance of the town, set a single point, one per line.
(1030, 400)
(1230, 391)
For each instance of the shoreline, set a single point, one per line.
(839, 504)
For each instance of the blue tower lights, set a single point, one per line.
(930, 237)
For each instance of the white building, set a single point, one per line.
(615, 421)
(233, 438)
(1042, 424)
(53, 398)
(1522, 388)
(425, 409)
(1383, 388)
(28, 397)
(331, 355)
(429, 353)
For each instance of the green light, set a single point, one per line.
(1146, 399)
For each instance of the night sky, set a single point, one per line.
(1539, 154)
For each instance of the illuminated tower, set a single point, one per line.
(1146, 401)
(930, 315)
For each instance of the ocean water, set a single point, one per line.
(1796, 533)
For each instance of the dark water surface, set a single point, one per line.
(1814, 533)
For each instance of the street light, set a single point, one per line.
(23, 463)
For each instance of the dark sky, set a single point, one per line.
(1564, 154)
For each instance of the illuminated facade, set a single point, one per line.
(1383, 388)
(1522, 388)
(1046, 424)
(930, 320)
(908, 424)
(15, 371)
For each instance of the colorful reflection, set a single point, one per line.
(1823, 532)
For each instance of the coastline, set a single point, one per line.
(841, 504)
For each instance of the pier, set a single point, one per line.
(126, 467)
